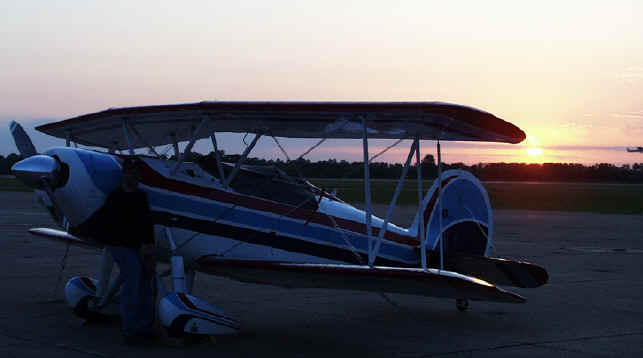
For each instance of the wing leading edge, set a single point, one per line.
(160, 125)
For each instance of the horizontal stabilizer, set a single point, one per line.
(66, 237)
(499, 271)
(412, 281)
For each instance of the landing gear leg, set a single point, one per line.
(188, 318)
(462, 304)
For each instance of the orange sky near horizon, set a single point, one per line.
(570, 74)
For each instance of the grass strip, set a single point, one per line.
(582, 197)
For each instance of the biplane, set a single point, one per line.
(260, 225)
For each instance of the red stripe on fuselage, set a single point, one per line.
(88, 283)
(429, 208)
(152, 178)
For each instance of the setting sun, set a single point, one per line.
(534, 152)
(534, 149)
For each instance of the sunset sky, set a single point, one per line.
(569, 73)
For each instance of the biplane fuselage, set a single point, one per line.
(208, 219)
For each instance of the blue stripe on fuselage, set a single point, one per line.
(217, 212)
(102, 168)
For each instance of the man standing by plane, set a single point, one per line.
(129, 233)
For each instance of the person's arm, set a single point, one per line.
(147, 226)
(100, 225)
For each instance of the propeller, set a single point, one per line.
(37, 171)
(23, 143)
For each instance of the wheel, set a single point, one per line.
(462, 304)
(82, 310)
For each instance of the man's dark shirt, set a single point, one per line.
(124, 220)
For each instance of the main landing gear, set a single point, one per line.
(182, 315)
(462, 304)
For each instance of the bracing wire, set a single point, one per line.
(63, 263)
(332, 220)
(312, 148)
(386, 149)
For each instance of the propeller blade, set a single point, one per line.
(23, 142)
(37, 170)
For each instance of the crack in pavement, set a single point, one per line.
(539, 344)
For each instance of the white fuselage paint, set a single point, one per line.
(92, 176)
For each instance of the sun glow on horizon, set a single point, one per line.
(534, 150)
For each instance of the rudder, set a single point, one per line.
(467, 222)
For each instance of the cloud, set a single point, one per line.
(629, 115)
(632, 120)
(632, 74)
(577, 125)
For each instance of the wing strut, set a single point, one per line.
(175, 145)
(391, 206)
(440, 204)
(421, 216)
(213, 137)
(367, 185)
(188, 149)
(230, 178)
(140, 139)
(127, 138)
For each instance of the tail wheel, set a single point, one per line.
(462, 304)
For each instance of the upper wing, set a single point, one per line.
(413, 281)
(158, 125)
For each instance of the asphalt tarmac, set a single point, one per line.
(590, 308)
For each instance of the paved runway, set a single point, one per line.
(591, 307)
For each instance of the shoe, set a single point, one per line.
(140, 339)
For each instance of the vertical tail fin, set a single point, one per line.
(22, 140)
(467, 222)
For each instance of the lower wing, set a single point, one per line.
(66, 237)
(413, 281)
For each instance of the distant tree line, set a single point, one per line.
(7, 162)
(332, 168)
(548, 172)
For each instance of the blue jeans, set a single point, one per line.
(137, 293)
